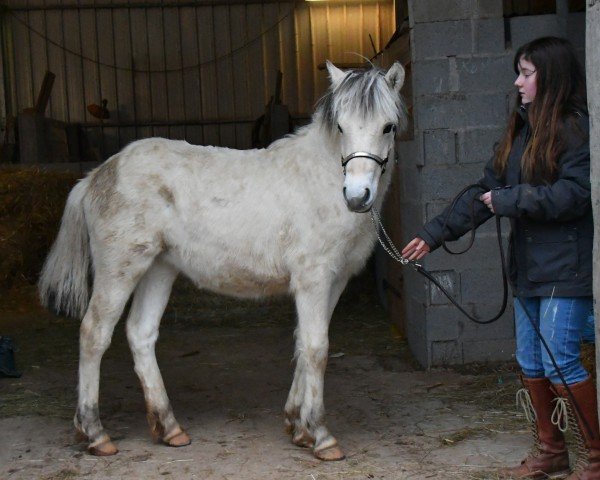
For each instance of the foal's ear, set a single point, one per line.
(395, 76)
(335, 74)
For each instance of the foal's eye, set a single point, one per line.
(389, 127)
(340, 128)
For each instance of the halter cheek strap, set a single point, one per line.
(371, 156)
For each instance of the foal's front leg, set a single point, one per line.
(305, 412)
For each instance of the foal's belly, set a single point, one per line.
(229, 279)
(243, 284)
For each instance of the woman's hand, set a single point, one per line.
(415, 249)
(487, 199)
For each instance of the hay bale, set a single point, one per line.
(31, 206)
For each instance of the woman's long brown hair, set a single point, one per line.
(560, 93)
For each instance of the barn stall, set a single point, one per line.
(218, 72)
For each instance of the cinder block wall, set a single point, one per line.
(462, 81)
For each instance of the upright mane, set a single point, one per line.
(363, 91)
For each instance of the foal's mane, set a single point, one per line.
(363, 91)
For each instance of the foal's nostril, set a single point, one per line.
(366, 196)
(345, 192)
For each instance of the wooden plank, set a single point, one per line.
(73, 67)
(320, 53)
(287, 48)
(224, 73)
(208, 73)
(304, 60)
(117, 4)
(158, 83)
(174, 77)
(58, 107)
(352, 42)
(337, 31)
(191, 76)
(91, 79)
(240, 64)
(256, 75)
(108, 84)
(387, 19)
(271, 52)
(125, 104)
(39, 51)
(370, 26)
(141, 78)
(23, 53)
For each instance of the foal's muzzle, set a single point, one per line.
(362, 198)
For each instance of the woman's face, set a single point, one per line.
(526, 82)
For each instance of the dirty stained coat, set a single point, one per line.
(551, 240)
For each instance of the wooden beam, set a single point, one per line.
(17, 5)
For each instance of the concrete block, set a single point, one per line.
(441, 39)
(488, 351)
(489, 35)
(488, 9)
(450, 281)
(415, 328)
(410, 184)
(416, 289)
(443, 182)
(503, 328)
(410, 153)
(527, 28)
(493, 73)
(481, 285)
(460, 110)
(430, 76)
(446, 353)
(576, 29)
(411, 220)
(476, 145)
(439, 147)
(425, 11)
(483, 250)
(442, 329)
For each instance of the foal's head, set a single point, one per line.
(364, 110)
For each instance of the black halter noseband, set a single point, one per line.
(371, 156)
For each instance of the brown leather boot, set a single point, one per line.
(549, 457)
(587, 437)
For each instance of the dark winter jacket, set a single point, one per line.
(550, 248)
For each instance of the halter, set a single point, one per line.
(371, 156)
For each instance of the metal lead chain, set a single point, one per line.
(387, 244)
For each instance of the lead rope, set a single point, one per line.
(388, 245)
(393, 252)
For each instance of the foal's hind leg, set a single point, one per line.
(106, 305)
(149, 302)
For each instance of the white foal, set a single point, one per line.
(283, 220)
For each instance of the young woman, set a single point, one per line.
(539, 177)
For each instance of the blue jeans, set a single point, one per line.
(563, 322)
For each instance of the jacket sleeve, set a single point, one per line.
(460, 220)
(566, 199)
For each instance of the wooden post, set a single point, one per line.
(592, 62)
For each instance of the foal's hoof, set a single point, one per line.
(103, 449)
(177, 439)
(330, 454)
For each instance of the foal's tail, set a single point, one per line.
(63, 283)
